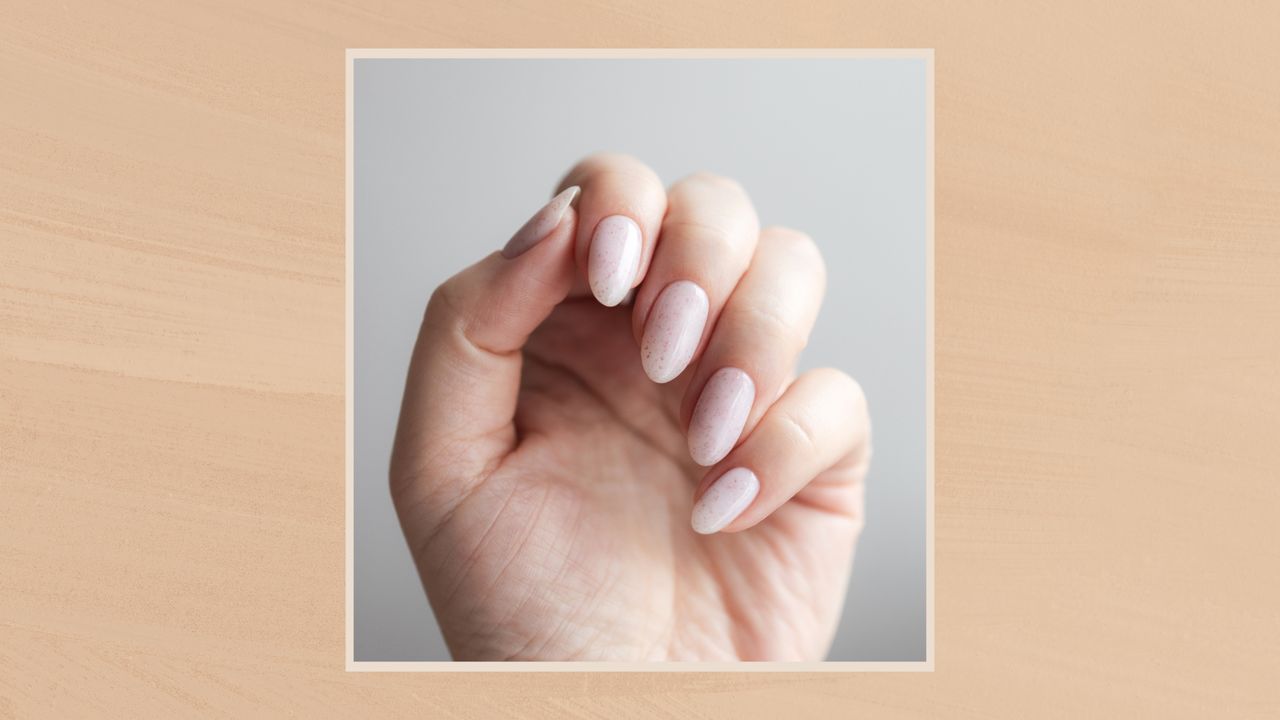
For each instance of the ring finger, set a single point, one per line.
(756, 343)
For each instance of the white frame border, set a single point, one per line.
(353, 665)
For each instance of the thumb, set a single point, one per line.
(460, 395)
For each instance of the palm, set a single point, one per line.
(577, 545)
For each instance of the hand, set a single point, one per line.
(545, 469)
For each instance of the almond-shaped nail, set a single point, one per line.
(720, 415)
(724, 501)
(673, 330)
(614, 258)
(541, 224)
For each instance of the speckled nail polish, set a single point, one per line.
(540, 225)
(724, 501)
(614, 259)
(720, 414)
(673, 330)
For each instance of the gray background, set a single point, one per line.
(451, 156)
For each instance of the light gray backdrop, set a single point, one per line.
(451, 156)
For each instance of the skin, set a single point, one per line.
(544, 482)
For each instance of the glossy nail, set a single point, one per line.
(724, 501)
(673, 330)
(540, 225)
(614, 258)
(720, 414)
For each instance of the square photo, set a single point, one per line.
(640, 360)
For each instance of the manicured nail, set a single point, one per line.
(614, 258)
(724, 501)
(673, 330)
(541, 224)
(720, 414)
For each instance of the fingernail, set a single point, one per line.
(720, 414)
(724, 501)
(614, 259)
(540, 225)
(673, 330)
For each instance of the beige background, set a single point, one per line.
(171, 359)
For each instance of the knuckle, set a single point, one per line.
(843, 388)
(441, 302)
(714, 181)
(442, 307)
(841, 384)
(703, 182)
(616, 158)
(801, 246)
(599, 160)
(446, 318)
(764, 320)
(712, 236)
(799, 432)
(718, 180)
(606, 164)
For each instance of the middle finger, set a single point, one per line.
(704, 247)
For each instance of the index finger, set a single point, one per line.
(619, 213)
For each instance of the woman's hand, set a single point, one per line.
(580, 477)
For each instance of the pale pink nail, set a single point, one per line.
(541, 224)
(720, 414)
(673, 330)
(724, 501)
(614, 258)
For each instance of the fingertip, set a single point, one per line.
(614, 259)
(724, 501)
(620, 211)
(543, 223)
(673, 330)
